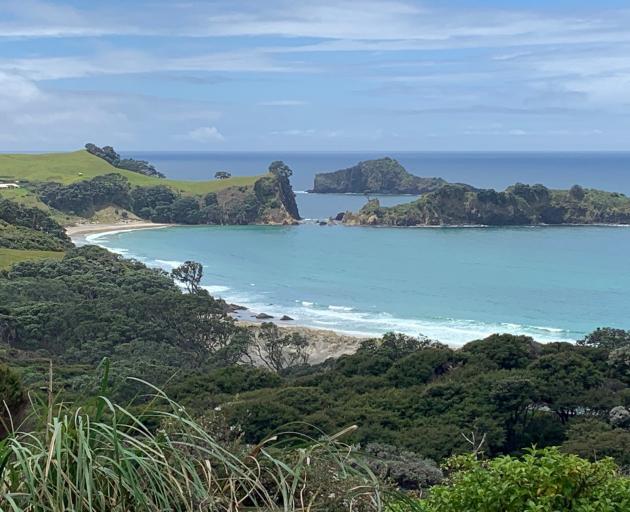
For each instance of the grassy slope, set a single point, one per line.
(10, 256)
(65, 168)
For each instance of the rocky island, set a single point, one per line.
(380, 176)
(519, 204)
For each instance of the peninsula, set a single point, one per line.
(97, 185)
(519, 204)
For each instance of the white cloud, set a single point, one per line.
(205, 134)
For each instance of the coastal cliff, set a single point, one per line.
(81, 185)
(517, 205)
(381, 176)
(270, 200)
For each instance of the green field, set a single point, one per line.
(10, 256)
(79, 165)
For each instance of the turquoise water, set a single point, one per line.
(452, 284)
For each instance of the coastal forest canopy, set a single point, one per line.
(411, 393)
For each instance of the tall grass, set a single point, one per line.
(106, 458)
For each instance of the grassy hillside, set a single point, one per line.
(67, 168)
(10, 256)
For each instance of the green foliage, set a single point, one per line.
(279, 351)
(105, 457)
(94, 304)
(108, 154)
(160, 203)
(406, 469)
(503, 351)
(607, 338)
(12, 399)
(541, 480)
(85, 197)
(23, 227)
(190, 274)
(66, 168)
(9, 257)
(457, 204)
(280, 169)
(594, 439)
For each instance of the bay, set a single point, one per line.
(451, 284)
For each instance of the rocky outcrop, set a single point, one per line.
(381, 176)
(108, 154)
(270, 200)
(517, 205)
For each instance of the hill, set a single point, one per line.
(76, 184)
(75, 166)
(29, 234)
(518, 205)
(381, 176)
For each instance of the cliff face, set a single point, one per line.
(517, 205)
(382, 176)
(269, 201)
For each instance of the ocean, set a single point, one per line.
(607, 171)
(450, 284)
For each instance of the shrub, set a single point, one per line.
(541, 480)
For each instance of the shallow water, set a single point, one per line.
(451, 284)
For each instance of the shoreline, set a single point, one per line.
(100, 228)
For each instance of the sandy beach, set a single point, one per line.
(90, 228)
(323, 343)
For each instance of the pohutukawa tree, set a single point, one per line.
(190, 274)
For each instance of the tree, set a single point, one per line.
(222, 175)
(576, 192)
(606, 338)
(190, 273)
(280, 169)
(279, 351)
(506, 351)
(563, 380)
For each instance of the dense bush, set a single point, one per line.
(94, 304)
(22, 227)
(108, 154)
(541, 480)
(85, 197)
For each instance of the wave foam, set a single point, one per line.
(212, 289)
(169, 264)
(340, 308)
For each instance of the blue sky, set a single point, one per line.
(315, 75)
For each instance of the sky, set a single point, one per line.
(315, 75)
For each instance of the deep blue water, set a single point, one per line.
(608, 171)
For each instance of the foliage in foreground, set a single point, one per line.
(541, 480)
(108, 459)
